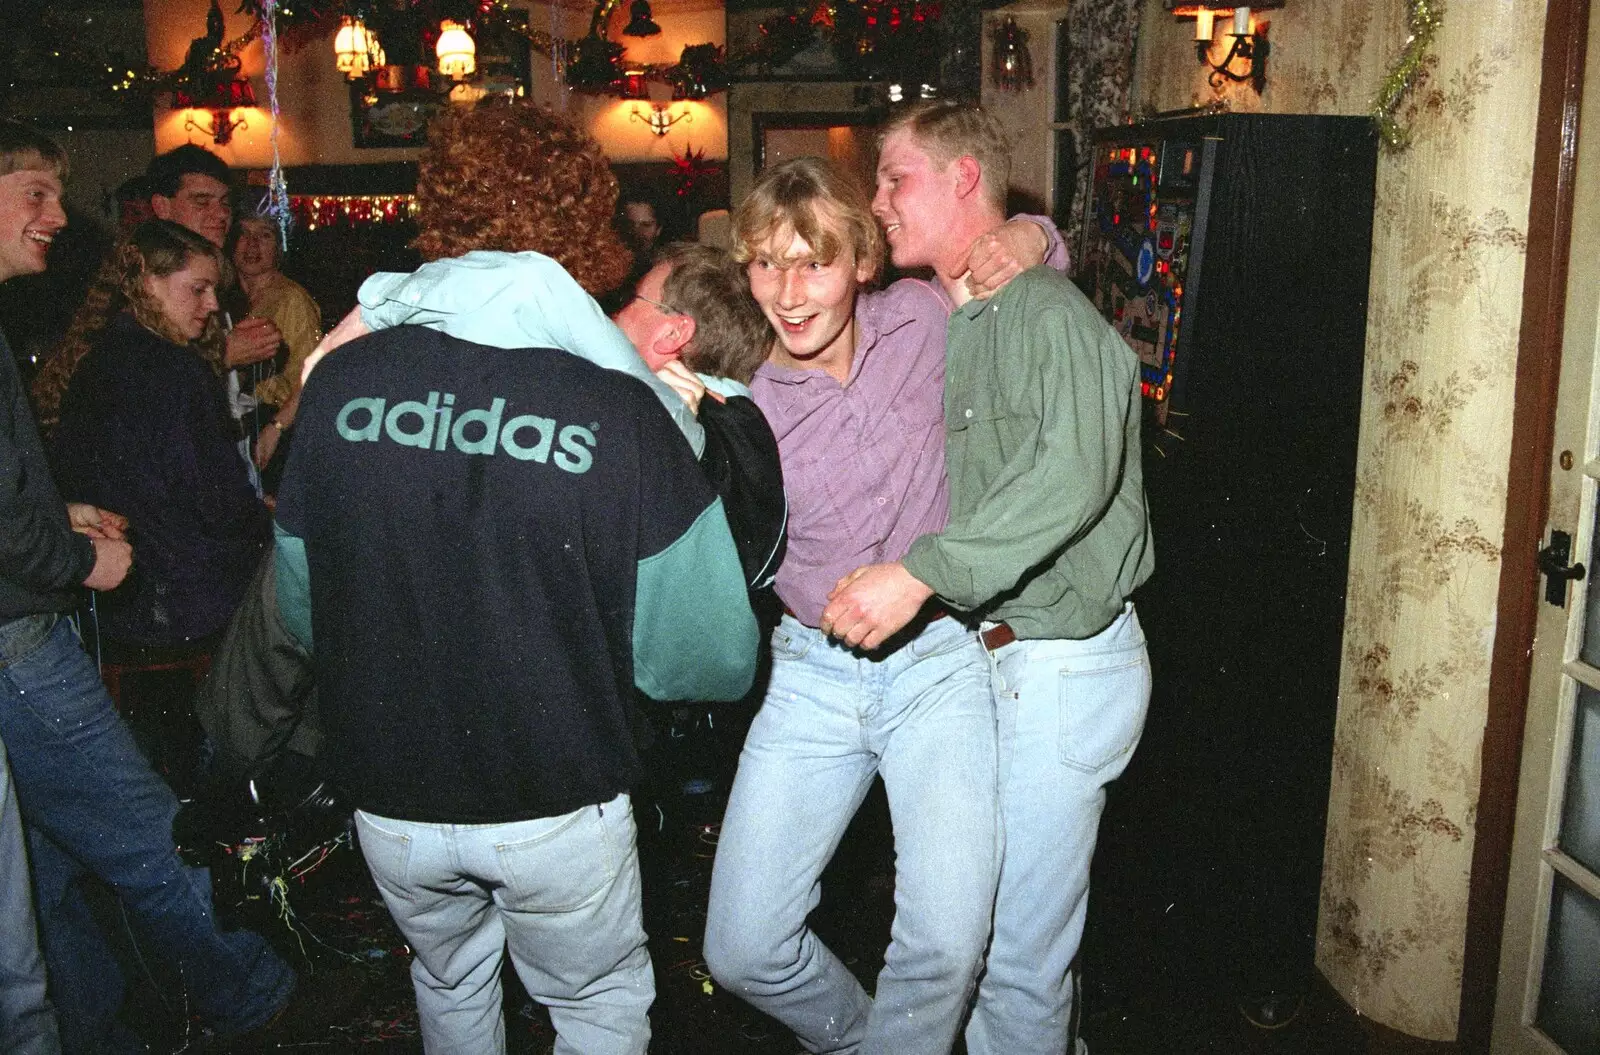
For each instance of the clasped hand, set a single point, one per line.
(872, 604)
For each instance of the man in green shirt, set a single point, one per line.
(1048, 536)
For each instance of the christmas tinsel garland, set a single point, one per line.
(1423, 19)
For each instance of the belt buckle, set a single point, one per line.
(997, 637)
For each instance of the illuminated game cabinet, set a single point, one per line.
(1232, 252)
(1137, 249)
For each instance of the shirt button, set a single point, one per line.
(882, 500)
(969, 412)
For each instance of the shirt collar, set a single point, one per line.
(876, 318)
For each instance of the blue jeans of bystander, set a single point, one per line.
(93, 806)
(27, 1021)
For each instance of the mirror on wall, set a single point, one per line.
(847, 139)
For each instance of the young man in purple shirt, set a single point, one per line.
(852, 390)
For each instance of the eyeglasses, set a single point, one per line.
(667, 309)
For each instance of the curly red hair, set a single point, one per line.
(516, 177)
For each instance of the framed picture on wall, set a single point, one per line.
(395, 109)
(505, 61)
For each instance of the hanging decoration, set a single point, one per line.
(872, 39)
(1011, 67)
(701, 70)
(686, 171)
(1423, 20)
(276, 203)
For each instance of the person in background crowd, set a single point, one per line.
(90, 803)
(144, 430)
(852, 390)
(257, 262)
(537, 557)
(639, 222)
(1048, 536)
(188, 185)
(133, 204)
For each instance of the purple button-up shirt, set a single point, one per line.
(863, 462)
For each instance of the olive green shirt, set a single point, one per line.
(1048, 529)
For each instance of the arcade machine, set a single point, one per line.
(1231, 251)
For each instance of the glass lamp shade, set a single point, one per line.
(456, 50)
(356, 49)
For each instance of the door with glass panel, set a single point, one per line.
(1549, 986)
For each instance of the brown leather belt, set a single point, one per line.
(997, 637)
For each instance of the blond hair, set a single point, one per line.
(949, 130)
(22, 148)
(818, 201)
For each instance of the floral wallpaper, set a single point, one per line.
(1100, 53)
(1442, 328)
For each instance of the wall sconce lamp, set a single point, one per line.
(456, 50)
(356, 50)
(660, 119)
(219, 99)
(210, 80)
(1249, 50)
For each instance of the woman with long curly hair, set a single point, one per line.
(145, 432)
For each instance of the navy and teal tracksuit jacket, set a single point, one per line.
(496, 547)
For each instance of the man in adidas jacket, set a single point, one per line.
(489, 550)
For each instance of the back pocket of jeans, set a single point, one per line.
(388, 855)
(1102, 713)
(558, 870)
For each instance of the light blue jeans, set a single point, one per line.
(1070, 716)
(923, 717)
(561, 892)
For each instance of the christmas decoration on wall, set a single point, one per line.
(686, 171)
(1011, 67)
(1423, 20)
(913, 40)
(350, 210)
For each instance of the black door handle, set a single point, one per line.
(1553, 562)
